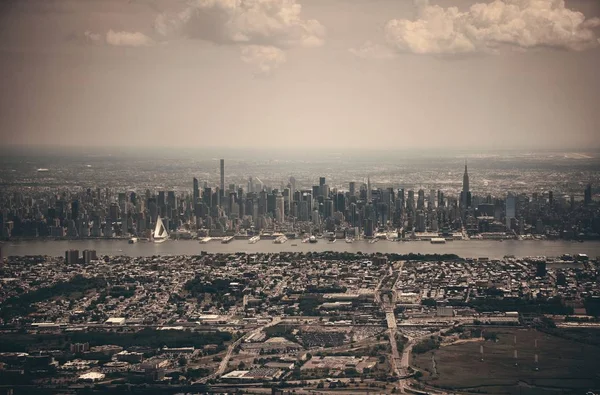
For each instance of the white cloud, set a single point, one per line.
(264, 58)
(370, 50)
(254, 22)
(93, 38)
(127, 39)
(514, 23)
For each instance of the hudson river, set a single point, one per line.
(465, 249)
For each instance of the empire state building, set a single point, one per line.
(465, 195)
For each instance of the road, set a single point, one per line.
(225, 361)
(391, 317)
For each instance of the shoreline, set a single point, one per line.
(218, 239)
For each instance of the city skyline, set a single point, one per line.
(328, 75)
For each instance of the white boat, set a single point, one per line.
(253, 239)
(349, 240)
(160, 232)
(227, 239)
(205, 240)
(280, 240)
(312, 239)
(133, 240)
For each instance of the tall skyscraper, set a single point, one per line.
(369, 189)
(222, 190)
(196, 191)
(352, 188)
(511, 208)
(293, 188)
(465, 189)
(279, 208)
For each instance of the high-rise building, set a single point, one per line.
(587, 196)
(89, 255)
(540, 269)
(465, 189)
(71, 256)
(222, 191)
(279, 208)
(196, 191)
(207, 197)
(75, 209)
(292, 188)
(327, 208)
(352, 188)
(511, 209)
(369, 189)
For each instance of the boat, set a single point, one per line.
(349, 240)
(312, 239)
(227, 239)
(373, 241)
(133, 240)
(205, 240)
(160, 232)
(253, 239)
(280, 240)
(294, 245)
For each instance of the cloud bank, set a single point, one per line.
(264, 58)
(521, 24)
(263, 29)
(128, 39)
(118, 39)
(255, 22)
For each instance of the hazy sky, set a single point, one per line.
(305, 73)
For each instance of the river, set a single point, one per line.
(466, 249)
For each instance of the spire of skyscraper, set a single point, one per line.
(465, 188)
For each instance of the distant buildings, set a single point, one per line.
(72, 257)
(298, 208)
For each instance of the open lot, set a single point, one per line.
(565, 366)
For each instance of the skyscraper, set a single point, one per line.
(293, 188)
(465, 189)
(352, 188)
(222, 190)
(279, 208)
(511, 208)
(196, 191)
(368, 189)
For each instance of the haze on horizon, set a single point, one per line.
(344, 74)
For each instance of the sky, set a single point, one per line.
(305, 74)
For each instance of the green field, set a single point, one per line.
(565, 366)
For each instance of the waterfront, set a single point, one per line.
(472, 248)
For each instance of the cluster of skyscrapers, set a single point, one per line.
(360, 210)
